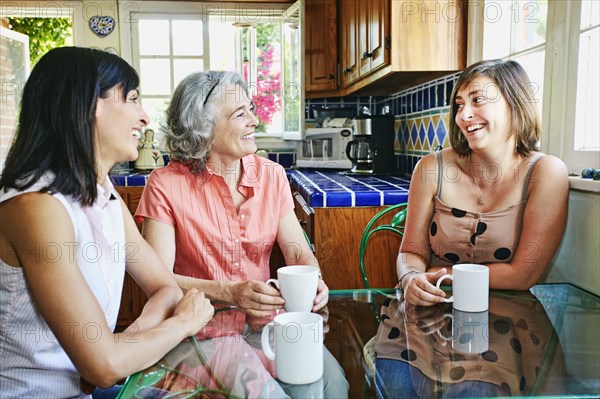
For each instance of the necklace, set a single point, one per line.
(481, 199)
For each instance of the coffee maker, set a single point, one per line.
(371, 149)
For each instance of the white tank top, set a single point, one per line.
(33, 364)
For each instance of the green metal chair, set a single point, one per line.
(396, 226)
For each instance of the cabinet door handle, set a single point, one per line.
(303, 222)
(366, 55)
(330, 76)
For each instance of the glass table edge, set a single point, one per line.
(501, 292)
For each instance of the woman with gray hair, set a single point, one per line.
(216, 210)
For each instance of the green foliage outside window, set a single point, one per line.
(44, 34)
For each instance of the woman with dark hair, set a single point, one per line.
(491, 198)
(67, 238)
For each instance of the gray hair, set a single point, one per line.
(190, 117)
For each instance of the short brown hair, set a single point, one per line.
(515, 86)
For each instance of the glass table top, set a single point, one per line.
(542, 342)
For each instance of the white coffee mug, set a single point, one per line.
(298, 287)
(470, 287)
(470, 331)
(298, 342)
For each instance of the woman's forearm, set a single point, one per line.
(159, 307)
(216, 291)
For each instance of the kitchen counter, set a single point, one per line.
(320, 189)
(130, 178)
(334, 189)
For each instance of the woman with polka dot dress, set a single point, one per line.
(491, 198)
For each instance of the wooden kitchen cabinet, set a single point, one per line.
(336, 234)
(348, 42)
(133, 298)
(364, 32)
(374, 26)
(320, 45)
(387, 45)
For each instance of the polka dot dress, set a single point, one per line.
(458, 236)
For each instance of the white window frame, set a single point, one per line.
(242, 11)
(560, 79)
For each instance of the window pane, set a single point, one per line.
(182, 68)
(155, 76)
(222, 49)
(587, 118)
(590, 13)
(530, 23)
(268, 72)
(14, 71)
(187, 37)
(153, 37)
(291, 77)
(513, 26)
(496, 28)
(533, 63)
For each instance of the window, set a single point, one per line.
(587, 120)
(164, 55)
(557, 42)
(525, 22)
(261, 42)
(17, 50)
(14, 71)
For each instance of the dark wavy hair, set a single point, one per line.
(55, 130)
(514, 85)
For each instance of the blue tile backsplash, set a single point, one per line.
(421, 112)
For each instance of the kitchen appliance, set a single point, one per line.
(325, 147)
(371, 149)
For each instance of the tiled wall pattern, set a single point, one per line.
(422, 117)
(284, 157)
(422, 120)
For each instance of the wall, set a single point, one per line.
(83, 34)
(578, 258)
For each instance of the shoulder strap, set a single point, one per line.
(440, 173)
(532, 163)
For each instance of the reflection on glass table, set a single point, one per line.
(516, 348)
(542, 342)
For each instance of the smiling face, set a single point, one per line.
(118, 125)
(483, 115)
(234, 126)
